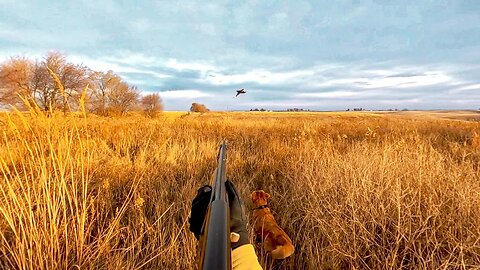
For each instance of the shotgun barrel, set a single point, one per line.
(215, 238)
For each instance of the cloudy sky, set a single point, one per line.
(325, 55)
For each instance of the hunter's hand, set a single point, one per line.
(237, 216)
(199, 210)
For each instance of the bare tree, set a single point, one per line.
(40, 83)
(72, 79)
(15, 81)
(50, 83)
(111, 94)
(54, 83)
(123, 98)
(152, 104)
(105, 84)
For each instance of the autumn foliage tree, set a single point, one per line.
(16, 80)
(123, 99)
(105, 84)
(34, 82)
(197, 107)
(53, 83)
(72, 80)
(151, 104)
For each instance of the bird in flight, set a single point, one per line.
(240, 91)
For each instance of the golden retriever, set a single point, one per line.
(275, 241)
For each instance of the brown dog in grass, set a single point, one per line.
(275, 240)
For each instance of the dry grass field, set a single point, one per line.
(354, 190)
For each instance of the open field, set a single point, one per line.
(453, 115)
(356, 190)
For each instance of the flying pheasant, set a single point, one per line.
(240, 91)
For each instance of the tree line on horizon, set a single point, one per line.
(55, 84)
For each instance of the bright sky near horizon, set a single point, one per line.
(324, 55)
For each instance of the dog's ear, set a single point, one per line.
(254, 196)
(267, 196)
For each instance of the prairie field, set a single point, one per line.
(354, 190)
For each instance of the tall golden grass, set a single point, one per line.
(353, 190)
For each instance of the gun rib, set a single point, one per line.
(215, 241)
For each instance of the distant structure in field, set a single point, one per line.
(260, 110)
(240, 91)
(298, 110)
(356, 109)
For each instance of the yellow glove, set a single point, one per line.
(244, 258)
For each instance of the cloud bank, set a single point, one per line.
(319, 55)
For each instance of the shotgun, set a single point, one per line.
(215, 238)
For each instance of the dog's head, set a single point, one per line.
(260, 197)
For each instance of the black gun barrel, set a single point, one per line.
(215, 240)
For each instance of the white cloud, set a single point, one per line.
(380, 72)
(473, 102)
(260, 76)
(388, 79)
(332, 94)
(201, 67)
(282, 103)
(428, 78)
(106, 64)
(183, 94)
(101, 65)
(155, 74)
(399, 101)
(470, 87)
(132, 59)
(337, 76)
